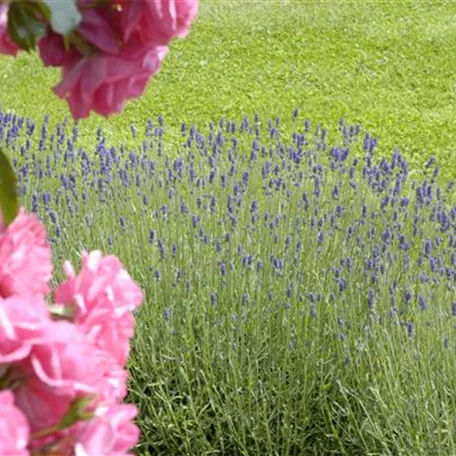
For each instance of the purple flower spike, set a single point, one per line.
(410, 329)
(370, 298)
(427, 247)
(422, 302)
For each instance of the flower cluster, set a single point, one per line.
(62, 375)
(112, 53)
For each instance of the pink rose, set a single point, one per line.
(126, 46)
(103, 82)
(158, 21)
(51, 49)
(66, 360)
(105, 297)
(111, 433)
(113, 385)
(14, 429)
(23, 322)
(63, 367)
(98, 27)
(7, 45)
(40, 404)
(25, 257)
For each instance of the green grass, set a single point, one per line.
(386, 65)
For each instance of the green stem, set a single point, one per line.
(75, 413)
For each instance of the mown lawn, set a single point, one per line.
(386, 65)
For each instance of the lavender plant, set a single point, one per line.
(300, 294)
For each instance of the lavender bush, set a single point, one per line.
(300, 294)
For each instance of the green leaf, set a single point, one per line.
(23, 26)
(9, 199)
(65, 16)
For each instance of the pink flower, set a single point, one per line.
(104, 82)
(125, 47)
(40, 404)
(113, 385)
(66, 361)
(104, 296)
(158, 21)
(98, 27)
(51, 48)
(23, 322)
(25, 257)
(14, 429)
(111, 433)
(7, 45)
(63, 367)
